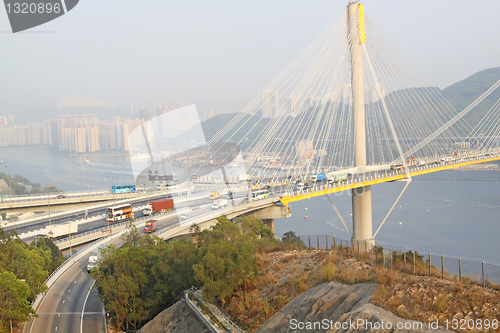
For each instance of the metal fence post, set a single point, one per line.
(341, 241)
(429, 264)
(483, 274)
(326, 247)
(299, 243)
(442, 267)
(404, 260)
(334, 242)
(414, 265)
(460, 269)
(318, 242)
(309, 241)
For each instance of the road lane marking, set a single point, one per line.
(68, 313)
(84, 303)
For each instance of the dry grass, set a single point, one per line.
(284, 275)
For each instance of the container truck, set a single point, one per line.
(338, 178)
(321, 176)
(159, 206)
(151, 226)
(58, 231)
(244, 178)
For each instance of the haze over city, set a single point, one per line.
(220, 54)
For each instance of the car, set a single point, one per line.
(267, 186)
(61, 196)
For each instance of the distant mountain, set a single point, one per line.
(251, 126)
(462, 93)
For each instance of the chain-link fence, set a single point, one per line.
(411, 262)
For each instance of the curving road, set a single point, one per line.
(71, 304)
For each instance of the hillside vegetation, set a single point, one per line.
(462, 93)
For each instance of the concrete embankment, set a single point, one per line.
(178, 318)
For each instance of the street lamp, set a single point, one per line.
(81, 191)
(10, 183)
(112, 191)
(48, 205)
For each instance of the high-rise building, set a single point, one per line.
(270, 107)
(290, 106)
(144, 114)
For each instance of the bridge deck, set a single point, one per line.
(389, 178)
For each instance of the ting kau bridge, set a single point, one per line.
(350, 112)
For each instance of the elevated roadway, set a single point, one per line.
(362, 180)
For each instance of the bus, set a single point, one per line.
(261, 194)
(119, 213)
(123, 189)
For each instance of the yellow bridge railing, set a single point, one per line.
(342, 186)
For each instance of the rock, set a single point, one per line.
(334, 304)
(176, 319)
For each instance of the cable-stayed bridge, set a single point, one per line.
(350, 112)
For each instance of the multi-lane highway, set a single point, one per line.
(71, 304)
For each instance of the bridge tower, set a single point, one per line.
(361, 197)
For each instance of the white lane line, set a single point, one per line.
(84, 303)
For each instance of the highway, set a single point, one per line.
(71, 304)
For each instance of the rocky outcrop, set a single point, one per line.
(178, 318)
(333, 307)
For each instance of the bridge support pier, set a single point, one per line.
(362, 217)
(361, 197)
(269, 223)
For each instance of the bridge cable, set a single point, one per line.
(408, 181)
(338, 213)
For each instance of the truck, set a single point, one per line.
(58, 231)
(95, 256)
(215, 195)
(245, 177)
(158, 206)
(151, 226)
(337, 178)
(321, 176)
(219, 204)
(447, 159)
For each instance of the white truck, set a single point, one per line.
(244, 178)
(58, 231)
(219, 204)
(95, 256)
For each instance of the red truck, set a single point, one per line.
(159, 206)
(151, 226)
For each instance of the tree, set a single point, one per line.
(290, 238)
(226, 259)
(14, 304)
(252, 226)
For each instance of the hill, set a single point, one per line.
(464, 92)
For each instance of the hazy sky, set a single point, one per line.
(220, 54)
